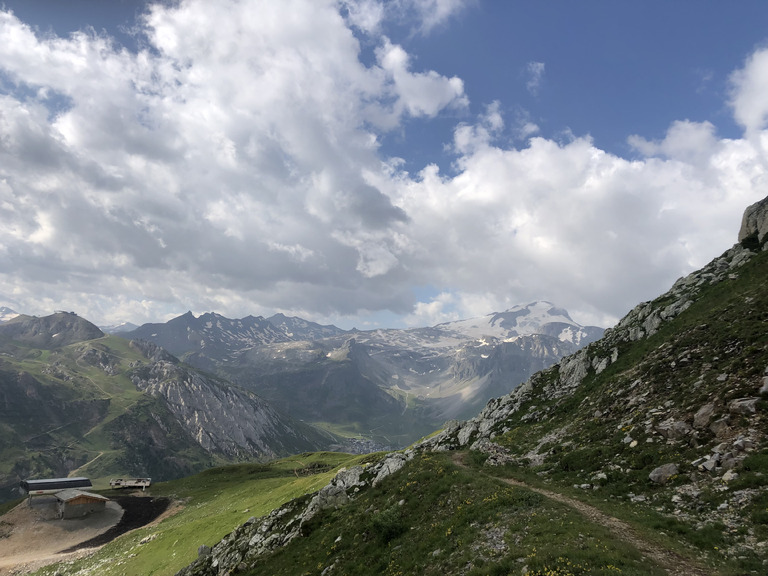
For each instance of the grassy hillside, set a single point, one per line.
(435, 517)
(684, 392)
(207, 507)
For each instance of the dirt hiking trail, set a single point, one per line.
(672, 562)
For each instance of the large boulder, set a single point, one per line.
(662, 474)
(755, 221)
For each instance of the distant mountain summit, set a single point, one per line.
(118, 328)
(54, 331)
(217, 338)
(7, 314)
(540, 317)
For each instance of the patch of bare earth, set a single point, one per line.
(31, 536)
(34, 536)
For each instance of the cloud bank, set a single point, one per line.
(233, 164)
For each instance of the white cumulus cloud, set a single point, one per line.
(233, 163)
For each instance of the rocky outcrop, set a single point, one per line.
(755, 221)
(152, 351)
(224, 419)
(663, 473)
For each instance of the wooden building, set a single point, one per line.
(74, 503)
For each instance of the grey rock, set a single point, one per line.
(349, 477)
(663, 473)
(465, 433)
(741, 444)
(720, 427)
(673, 429)
(729, 475)
(497, 455)
(755, 221)
(703, 416)
(743, 406)
(391, 464)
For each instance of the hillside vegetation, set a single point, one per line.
(204, 508)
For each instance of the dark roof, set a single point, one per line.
(63, 480)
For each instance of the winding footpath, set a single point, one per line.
(672, 562)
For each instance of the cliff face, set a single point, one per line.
(224, 419)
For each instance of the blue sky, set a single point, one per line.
(372, 164)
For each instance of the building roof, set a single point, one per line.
(72, 494)
(43, 480)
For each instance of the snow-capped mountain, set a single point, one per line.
(118, 328)
(7, 314)
(401, 382)
(539, 317)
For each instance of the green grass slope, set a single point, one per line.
(683, 391)
(206, 507)
(436, 518)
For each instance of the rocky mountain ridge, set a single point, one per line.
(224, 419)
(400, 384)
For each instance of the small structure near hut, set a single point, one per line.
(74, 503)
(142, 483)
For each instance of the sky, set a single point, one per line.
(372, 164)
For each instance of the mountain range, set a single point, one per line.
(251, 388)
(391, 386)
(76, 401)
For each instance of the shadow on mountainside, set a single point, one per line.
(138, 511)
